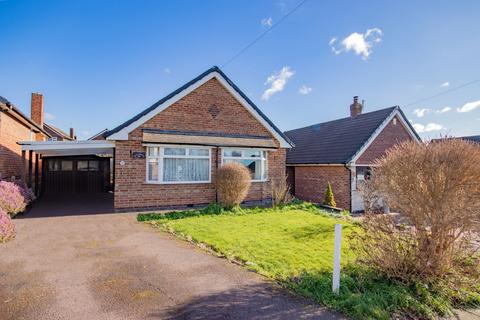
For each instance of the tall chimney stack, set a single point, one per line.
(36, 111)
(72, 134)
(355, 108)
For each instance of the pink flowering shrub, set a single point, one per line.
(7, 228)
(12, 200)
(27, 192)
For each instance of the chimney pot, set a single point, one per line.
(36, 111)
(72, 134)
(355, 107)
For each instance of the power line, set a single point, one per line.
(441, 93)
(263, 34)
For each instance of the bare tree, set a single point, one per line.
(436, 189)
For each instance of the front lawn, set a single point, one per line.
(294, 246)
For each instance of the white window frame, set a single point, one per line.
(161, 156)
(263, 162)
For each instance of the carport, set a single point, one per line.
(73, 167)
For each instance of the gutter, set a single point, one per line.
(10, 109)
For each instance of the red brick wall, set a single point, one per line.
(11, 131)
(191, 113)
(311, 182)
(390, 135)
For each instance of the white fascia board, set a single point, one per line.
(123, 134)
(379, 130)
(65, 145)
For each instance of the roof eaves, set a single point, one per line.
(364, 143)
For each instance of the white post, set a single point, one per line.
(336, 258)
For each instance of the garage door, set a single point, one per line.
(82, 175)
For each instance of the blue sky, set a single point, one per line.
(100, 62)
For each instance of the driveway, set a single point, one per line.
(108, 266)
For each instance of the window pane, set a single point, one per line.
(175, 151)
(152, 170)
(67, 165)
(181, 169)
(232, 153)
(53, 165)
(253, 153)
(198, 152)
(254, 166)
(152, 151)
(93, 165)
(82, 165)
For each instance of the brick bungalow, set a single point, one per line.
(342, 152)
(167, 155)
(16, 126)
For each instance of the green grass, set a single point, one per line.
(294, 246)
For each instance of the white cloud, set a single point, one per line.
(304, 90)
(360, 43)
(421, 112)
(277, 82)
(420, 128)
(443, 110)
(445, 84)
(167, 70)
(267, 22)
(49, 116)
(470, 106)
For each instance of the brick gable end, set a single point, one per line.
(391, 135)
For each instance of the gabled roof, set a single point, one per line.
(121, 132)
(340, 141)
(99, 134)
(8, 107)
(54, 131)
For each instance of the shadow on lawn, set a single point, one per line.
(259, 301)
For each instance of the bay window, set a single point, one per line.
(178, 164)
(255, 160)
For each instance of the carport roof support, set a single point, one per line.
(68, 148)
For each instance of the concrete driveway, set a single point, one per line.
(108, 266)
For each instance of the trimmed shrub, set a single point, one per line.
(329, 199)
(233, 182)
(281, 194)
(7, 228)
(12, 200)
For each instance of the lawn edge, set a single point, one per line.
(234, 260)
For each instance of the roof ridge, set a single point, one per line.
(345, 118)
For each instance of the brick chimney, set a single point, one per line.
(72, 134)
(355, 108)
(36, 113)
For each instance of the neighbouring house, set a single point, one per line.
(16, 126)
(342, 152)
(168, 155)
(475, 139)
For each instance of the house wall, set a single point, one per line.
(209, 108)
(311, 183)
(11, 131)
(391, 135)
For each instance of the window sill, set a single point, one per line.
(176, 182)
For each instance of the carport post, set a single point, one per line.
(23, 165)
(30, 168)
(36, 174)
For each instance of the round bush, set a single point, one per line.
(233, 182)
(12, 200)
(7, 228)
